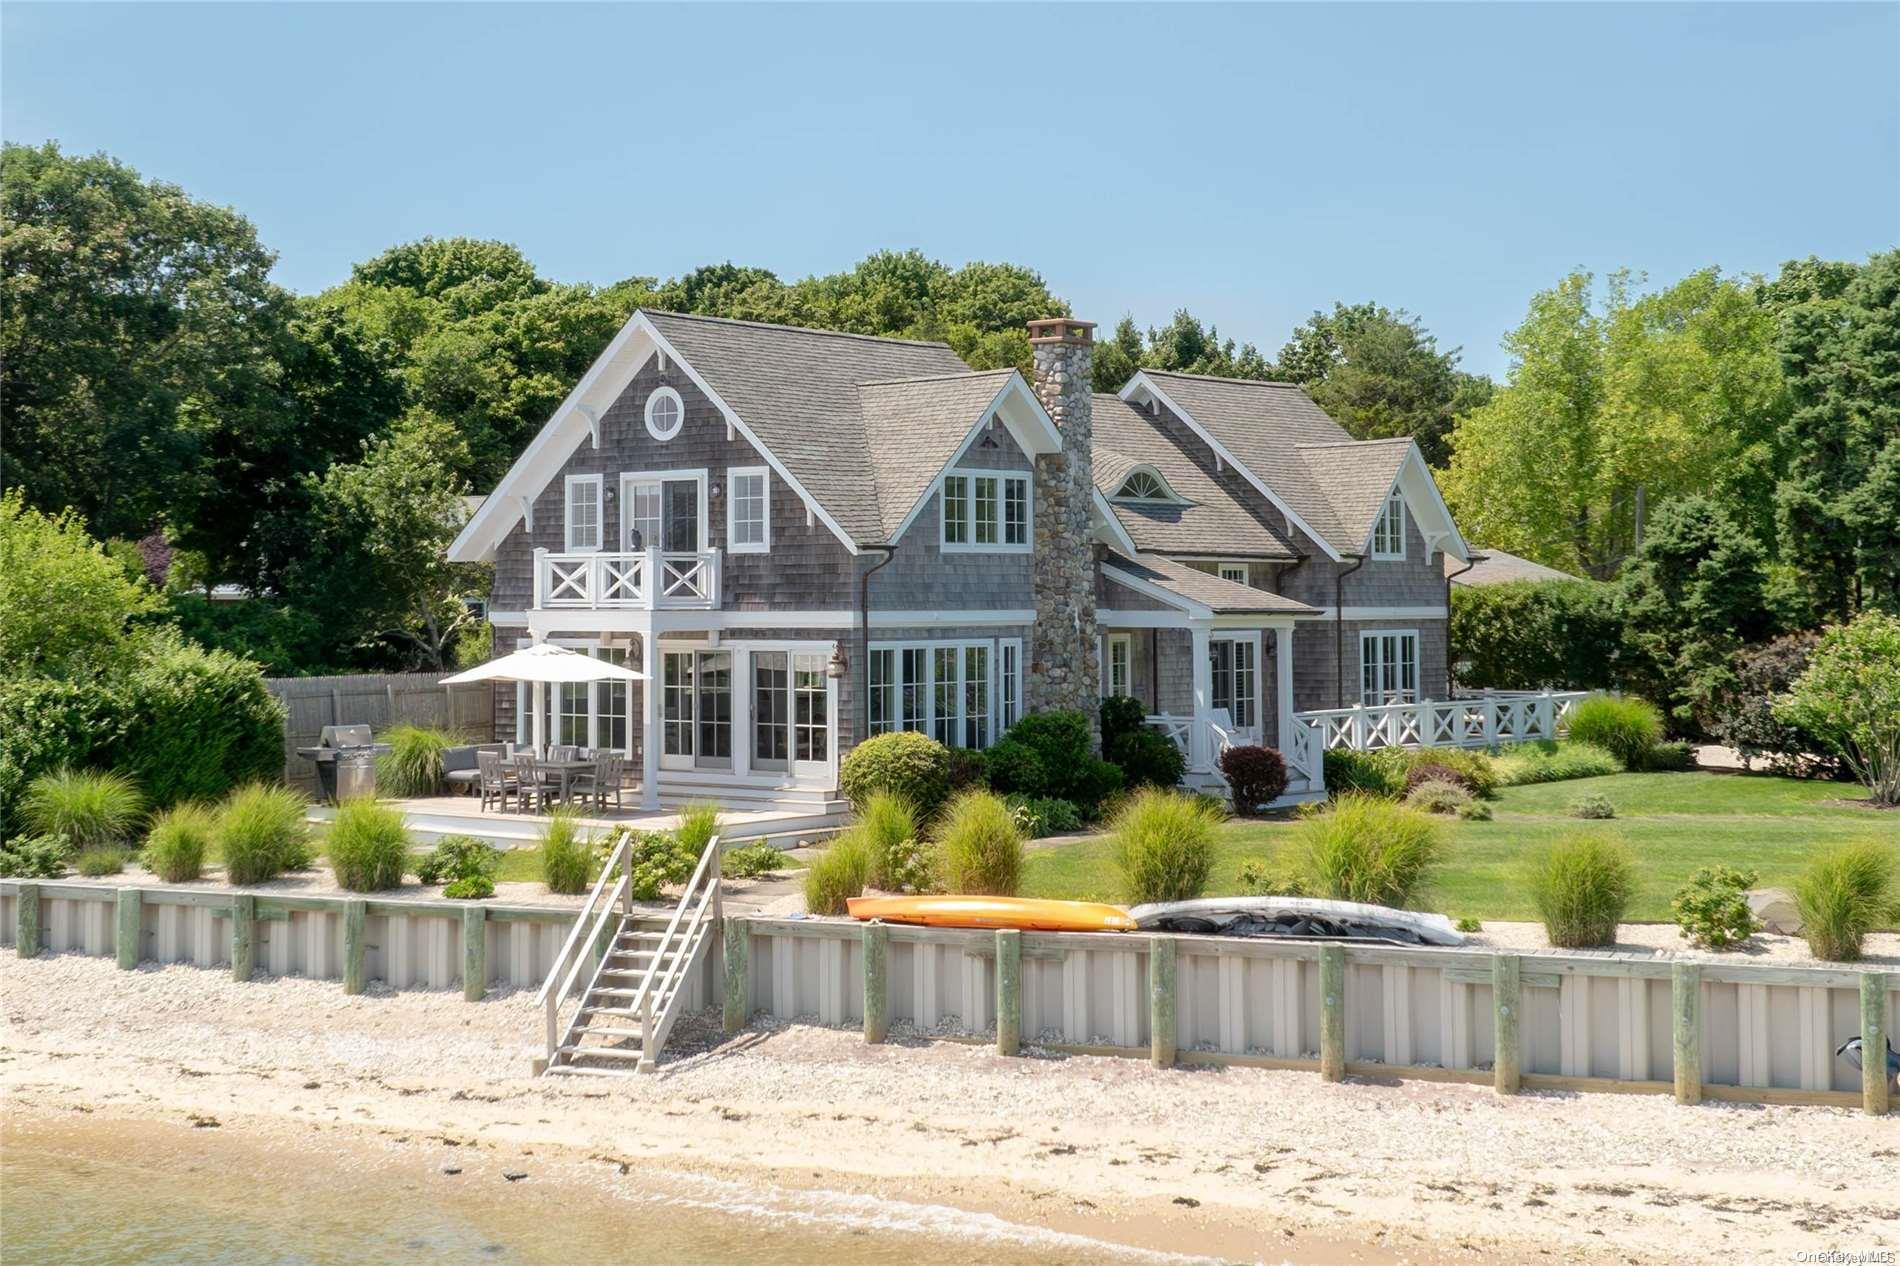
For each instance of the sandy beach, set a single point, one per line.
(1235, 1164)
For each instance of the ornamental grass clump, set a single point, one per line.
(1581, 885)
(567, 863)
(1844, 894)
(838, 873)
(1596, 807)
(1366, 848)
(1164, 846)
(95, 863)
(1440, 796)
(980, 846)
(888, 823)
(413, 765)
(699, 822)
(1625, 727)
(368, 845)
(179, 840)
(91, 808)
(1545, 761)
(261, 833)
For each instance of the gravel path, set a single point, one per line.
(1238, 1162)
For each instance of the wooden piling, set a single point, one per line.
(1686, 996)
(1332, 1012)
(1874, 1076)
(1161, 1001)
(127, 942)
(1009, 991)
(1507, 1005)
(355, 921)
(243, 936)
(474, 952)
(26, 920)
(877, 993)
(738, 973)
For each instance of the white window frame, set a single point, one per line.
(1009, 683)
(1236, 572)
(1389, 529)
(657, 395)
(1001, 702)
(1165, 496)
(630, 479)
(967, 519)
(1122, 644)
(567, 514)
(1382, 697)
(733, 475)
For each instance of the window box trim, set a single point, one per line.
(733, 475)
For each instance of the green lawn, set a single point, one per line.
(1673, 823)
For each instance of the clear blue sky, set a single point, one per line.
(1249, 163)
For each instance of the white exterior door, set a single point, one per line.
(1236, 681)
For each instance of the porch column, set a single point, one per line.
(650, 698)
(539, 691)
(1198, 758)
(1283, 675)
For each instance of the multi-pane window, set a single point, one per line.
(914, 692)
(963, 694)
(1236, 679)
(748, 511)
(943, 669)
(1388, 534)
(611, 699)
(1120, 665)
(986, 511)
(1143, 485)
(771, 709)
(811, 725)
(641, 508)
(976, 695)
(571, 716)
(1008, 687)
(1388, 666)
(583, 512)
(1236, 572)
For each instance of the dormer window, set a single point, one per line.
(1388, 534)
(1145, 484)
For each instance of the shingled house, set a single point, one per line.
(805, 537)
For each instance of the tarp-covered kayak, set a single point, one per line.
(1029, 914)
(1305, 917)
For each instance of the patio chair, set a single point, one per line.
(534, 786)
(603, 781)
(497, 783)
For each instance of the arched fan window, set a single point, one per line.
(1144, 485)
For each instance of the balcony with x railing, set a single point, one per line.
(644, 580)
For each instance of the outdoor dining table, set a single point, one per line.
(567, 769)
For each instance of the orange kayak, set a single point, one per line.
(1027, 913)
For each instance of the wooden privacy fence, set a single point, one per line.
(378, 700)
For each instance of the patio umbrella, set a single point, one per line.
(544, 664)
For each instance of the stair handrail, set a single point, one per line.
(709, 900)
(710, 857)
(582, 933)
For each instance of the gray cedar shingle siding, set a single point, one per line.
(922, 577)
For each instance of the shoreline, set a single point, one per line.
(1238, 1164)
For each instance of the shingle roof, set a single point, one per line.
(1215, 521)
(1355, 477)
(1266, 425)
(798, 390)
(912, 427)
(1225, 597)
(1495, 567)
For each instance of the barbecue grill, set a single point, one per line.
(345, 756)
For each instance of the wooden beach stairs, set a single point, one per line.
(629, 979)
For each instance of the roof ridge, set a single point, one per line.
(1383, 439)
(797, 329)
(1244, 382)
(968, 373)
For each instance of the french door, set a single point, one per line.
(696, 709)
(1236, 684)
(660, 513)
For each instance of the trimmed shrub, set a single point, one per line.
(179, 839)
(261, 833)
(1843, 895)
(1147, 759)
(1593, 807)
(1164, 846)
(699, 822)
(1364, 848)
(913, 765)
(99, 861)
(92, 809)
(1849, 697)
(751, 861)
(1469, 767)
(981, 846)
(47, 725)
(1545, 761)
(469, 888)
(413, 765)
(1581, 885)
(34, 856)
(368, 845)
(1015, 769)
(1712, 908)
(458, 857)
(655, 860)
(968, 770)
(1093, 783)
(1565, 634)
(1380, 773)
(1071, 769)
(1256, 775)
(567, 863)
(1439, 797)
(838, 873)
(1625, 727)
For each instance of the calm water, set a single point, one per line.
(84, 1195)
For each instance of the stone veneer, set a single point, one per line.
(1063, 672)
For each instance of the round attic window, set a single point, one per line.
(665, 414)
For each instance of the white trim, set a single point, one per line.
(508, 619)
(1386, 613)
(1199, 611)
(1126, 643)
(1109, 618)
(600, 513)
(1035, 433)
(1003, 479)
(699, 474)
(1168, 497)
(733, 474)
(1418, 665)
(1109, 527)
(1141, 382)
(1394, 500)
(639, 620)
(660, 395)
(1414, 480)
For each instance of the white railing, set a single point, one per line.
(675, 954)
(1477, 721)
(648, 579)
(576, 952)
(1217, 727)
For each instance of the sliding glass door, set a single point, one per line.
(696, 710)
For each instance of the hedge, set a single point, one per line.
(1564, 634)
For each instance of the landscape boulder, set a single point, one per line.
(1775, 910)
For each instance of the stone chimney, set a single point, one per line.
(1064, 670)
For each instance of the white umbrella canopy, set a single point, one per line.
(547, 664)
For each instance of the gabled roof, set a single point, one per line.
(1355, 477)
(1213, 520)
(1198, 591)
(914, 427)
(1495, 567)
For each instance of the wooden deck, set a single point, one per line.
(785, 824)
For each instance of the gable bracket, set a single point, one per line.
(527, 511)
(593, 421)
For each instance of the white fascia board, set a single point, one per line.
(1023, 416)
(1386, 613)
(1414, 480)
(1195, 609)
(633, 619)
(1109, 528)
(1141, 382)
